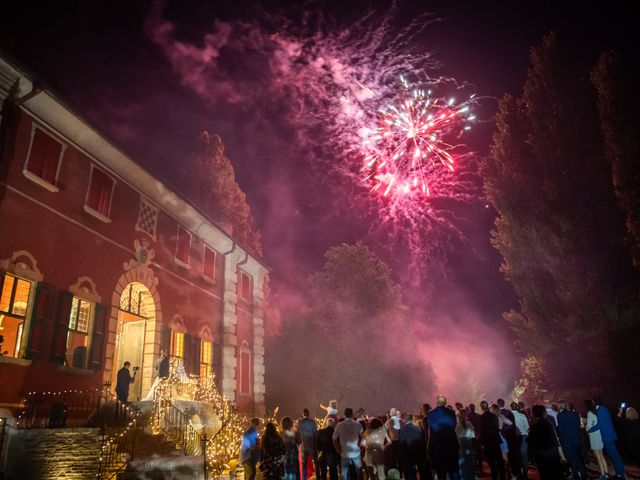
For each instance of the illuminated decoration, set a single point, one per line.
(223, 446)
(412, 139)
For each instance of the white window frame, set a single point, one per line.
(244, 348)
(175, 256)
(89, 333)
(87, 208)
(32, 176)
(215, 259)
(149, 203)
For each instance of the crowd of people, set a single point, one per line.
(447, 440)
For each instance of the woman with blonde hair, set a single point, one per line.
(373, 443)
(595, 438)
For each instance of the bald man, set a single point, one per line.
(443, 442)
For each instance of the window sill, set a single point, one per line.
(23, 362)
(95, 213)
(212, 281)
(182, 264)
(40, 181)
(86, 372)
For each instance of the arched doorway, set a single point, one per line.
(136, 314)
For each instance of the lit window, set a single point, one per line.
(183, 246)
(209, 264)
(77, 336)
(99, 193)
(206, 358)
(245, 286)
(14, 300)
(177, 345)
(44, 156)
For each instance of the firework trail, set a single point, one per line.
(329, 78)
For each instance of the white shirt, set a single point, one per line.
(522, 424)
(348, 434)
(553, 414)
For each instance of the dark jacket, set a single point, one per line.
(123, 380)
(542, 441)
(413, 444)
(325, 442)
(307, 430)
(163, 367)
(442, 431)
(490, 432)
(569, 430)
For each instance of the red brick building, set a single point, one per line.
(100, 262)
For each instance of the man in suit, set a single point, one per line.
(474, 418)
(123, 380)
(511, 435)
(443, 442)
(308, 431)
(570, 436)
(413, 450)
(490, 440)
(609, 437)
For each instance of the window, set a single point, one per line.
(206, 358)
(147, 218)
(183, 246)
(245, 286)
(177, 347)
(209, 264)
(43, 159)
(78, 333)
(14, 301)
(245, 369)
(98, 201)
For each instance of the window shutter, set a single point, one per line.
(44, 156)
(100, 188)
(195, 355)
(188, 357)
(41, 317)
(61, 327)
(100, 326)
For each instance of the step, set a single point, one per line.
(165, 468)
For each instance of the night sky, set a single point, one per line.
(102, 59)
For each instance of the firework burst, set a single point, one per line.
(412, 139)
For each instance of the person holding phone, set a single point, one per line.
(123, 380)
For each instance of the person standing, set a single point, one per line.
(609, 437)
(570, 436)
(543, 445)
(392, 449)
(308, 430)
(250, 449)
(327, 455)
(632, 434)
(162, 366)
(512, 437)
(373, 442)
(466, 435)
(522, 424)
(123, 380)
(443, 442)
(413, 450)
(346, 440)
(475, 419)
(291, 440)
(272, 454)
(595, 438)
(491, 440)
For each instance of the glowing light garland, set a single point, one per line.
(411, 140)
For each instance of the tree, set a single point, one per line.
(558, 226)
(219, 193)
(354, 343)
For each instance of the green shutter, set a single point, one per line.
(61, 328)
(100, 328)
(40, 320)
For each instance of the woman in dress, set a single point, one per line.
(331, 409)
(289, 437)
(595, 438)
(504, 446)
(373, 442)
(272, 454)
(465, 433)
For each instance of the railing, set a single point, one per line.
(3, 433)
(118, 443)
(69, 408)
(175, 423)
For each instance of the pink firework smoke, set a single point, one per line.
(412, 139)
